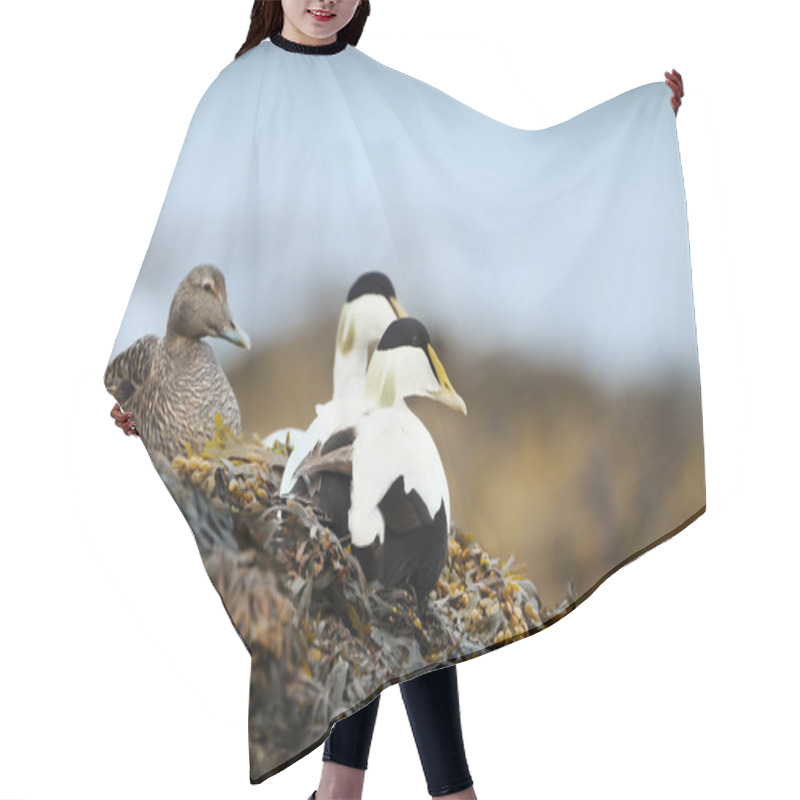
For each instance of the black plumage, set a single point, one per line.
(380, 482)
(414, 543)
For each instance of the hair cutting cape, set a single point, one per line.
(327, 196)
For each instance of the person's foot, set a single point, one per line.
(339, 782)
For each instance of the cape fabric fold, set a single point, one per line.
(550, 270)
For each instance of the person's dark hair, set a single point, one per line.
(266, 18)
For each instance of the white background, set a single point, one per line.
(120, 674)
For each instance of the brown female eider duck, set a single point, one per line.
(174, 386)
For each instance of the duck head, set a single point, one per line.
(370, 308)
(406, 365)
(200, 308)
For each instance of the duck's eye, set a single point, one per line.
(208, 287)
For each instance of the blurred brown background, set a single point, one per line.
(569, 476)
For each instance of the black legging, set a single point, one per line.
(433, 711)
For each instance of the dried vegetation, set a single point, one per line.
(322, 641)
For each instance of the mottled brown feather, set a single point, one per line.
(174, 386)
(127, 373)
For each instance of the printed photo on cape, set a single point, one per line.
(418, 380)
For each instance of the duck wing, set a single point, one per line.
(333, 456)
(130, 369)
(404, 512)
(415, 544)
(325, 477)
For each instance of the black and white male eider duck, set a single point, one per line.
(381, 480)
(371, 306)
(174, 386)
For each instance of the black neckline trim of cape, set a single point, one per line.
(308, 49)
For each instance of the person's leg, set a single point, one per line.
(345, 755)
(435, 716)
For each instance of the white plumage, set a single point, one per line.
(370, 307)
(381, 480)
(390, 442)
